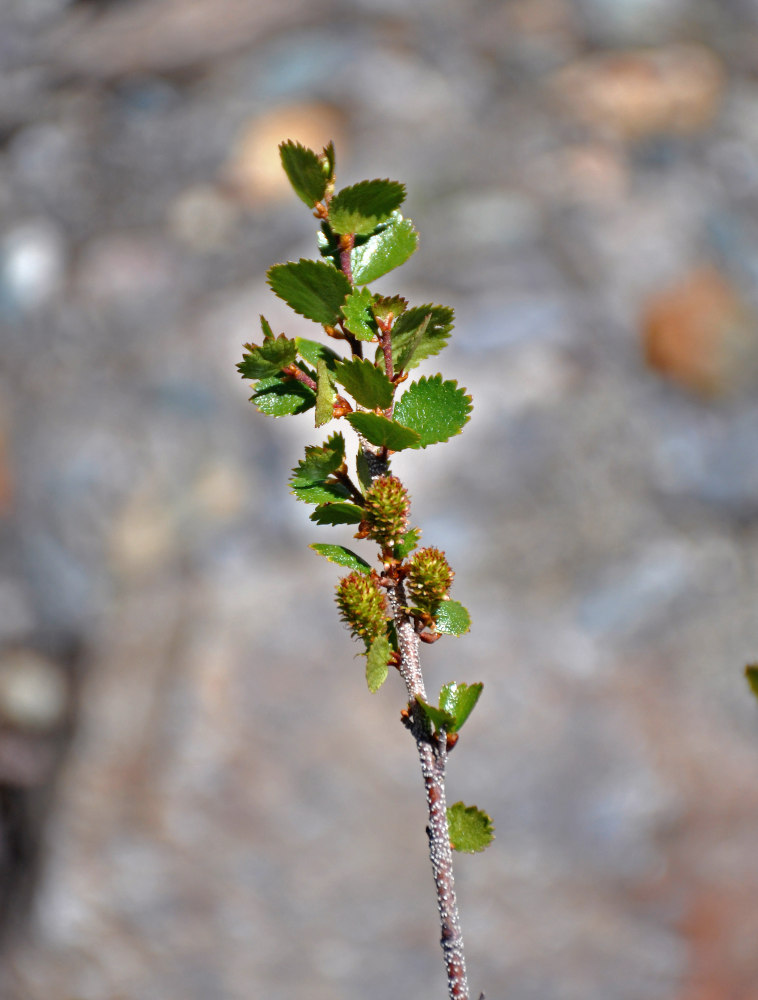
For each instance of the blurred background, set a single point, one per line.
(198, 797)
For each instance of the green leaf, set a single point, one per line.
(305, 171)
(437, 410)
(407, 349)
(280, 397)
(341, 556)
(358, 316)
(458, 700)
(383, 432)
(312, 288)
(325, 394)
(751, 673)
(329, 244)
(387, 306)
(452, 618)
(361, 208)
(321, 492)
(471, 830)
(377, 661)
(320, 462)
(437, 717)
(313, 352)
(328, 161)
(366, 384)
(337, 513)
(270, 358)
(268, 333)
(389, 247)
(409, 542)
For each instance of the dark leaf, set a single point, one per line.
(305, 171)
(319, 462)
(312, 288)
(358, 316)
(269, 359)
(366, 384)
(383, 432)
(337, 513)
(279, 397)
(341, 556)
(361, 208)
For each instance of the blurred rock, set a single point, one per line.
(32, 265)
(639, 93)
(254, 171)
(625, 22)
(203, 218)
(700, 333)
(33, 691)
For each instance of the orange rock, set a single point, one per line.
(641, 92)
(254, 172)
(699, 333)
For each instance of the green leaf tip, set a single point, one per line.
(311, 288)
(341, 556)
(751, 674)
(436, 410)
(305, 171)
(362, 207)
(451, 618)
(383, 432)
(368, 386)
(471, 829)
(377, 663)
(325, 393)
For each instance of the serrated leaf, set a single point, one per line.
(366, 384)
(437, 410)
(320, 462)
(312, 288)
(405, 331)
(383, 432)
(362, 207)
(408, 543)
(337, 513)
(751, 673)
(377, 660)
(471, 829)
(325, 394)
(458, 700)
(438, 718)
(358, 316)
(452, 618)
(278, 397)
(272, 357)
(313, 352)
(321, 493)
(390, 246)
(305, 172)
(341, 556)
(268, 333)
(329, 244)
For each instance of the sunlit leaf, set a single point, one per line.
(458, 700)
(408, 349)
(304, 170)
(321, 492)
(377, 660)
(325, 394)
(278, 397)
(320, 462)
(452, 618)
(437, 410)
(313, 352)
(438, 718)
(471, 830)
(362, 207)
(407, 544)
(391, 245)
(358, 315)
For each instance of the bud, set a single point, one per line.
(385, 515)
(429, 578)
(362, 605)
